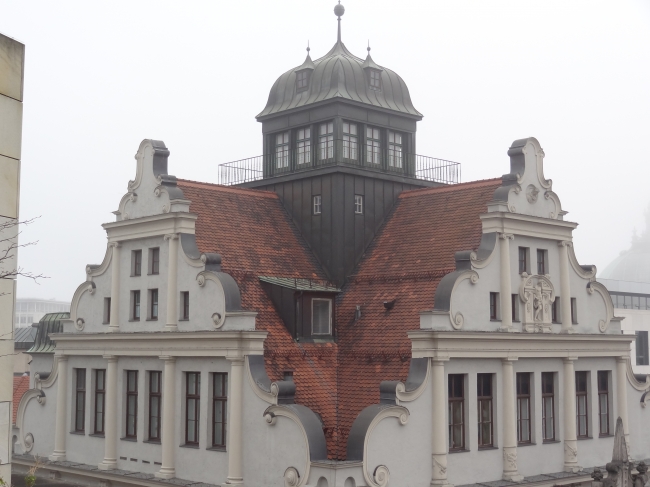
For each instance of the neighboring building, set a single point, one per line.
(342, 316)
(31, 310)
(12, 63)
(628, 280)
(23, 341)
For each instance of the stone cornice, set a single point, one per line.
(151, 226)
(228, 344)
(459, 344)
(530, 226)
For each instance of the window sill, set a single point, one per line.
(106, 322)
(217, 448)
(530, 443)
(482, 448)
(128, 438)
(134, 320)
(189, 445)
(153, 273)
(458, 451)
(549, 442)
(183, 319)
(153, 442)
(606, 436)
(135, 275)
(80, 433)
(97, 435)
(151, 319)
(579, 438)
(496, 321)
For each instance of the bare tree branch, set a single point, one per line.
(8, 247)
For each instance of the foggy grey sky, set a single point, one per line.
(102, 76)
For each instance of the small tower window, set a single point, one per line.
(373, 143)
(395, 149)
(302, 80)
(321, 313)
(349, 141)
(317, 205)
(358, 204)
(303, 144)
(374, 77)
(326, 140)
(282, 150)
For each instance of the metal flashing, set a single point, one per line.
(301, 284)
(50, 323)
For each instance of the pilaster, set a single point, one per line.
(235, 440)
(510, 468)
(110, 416)
(570, 438)
(505, 282)
(114, 325)
(58, 455)
(172, 284)
(565, 287)
(621, 396)
(168, 430)
(439, 423)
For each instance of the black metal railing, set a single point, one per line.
(340, 152)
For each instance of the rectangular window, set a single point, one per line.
(131, 403)
(542, 268)
(373, 145)
(524, 253)
(582, 411)
(374, 80)
(456, 392)
(154, 261)
(642, 352)
(394, 149)
(494, 306)
(358, 204)
(282, 150)
(523, 407)
(100, 391)
(219, 409)
(555, 311)
(603, 401)
(107, 310)
(515, 307)
(484, 397)
(153, 304)
(154, 405)
(136, 262)
(135, 305)
(302, 80)
(185, 305)
(326, 141)
(321, 316)
(317, 205)
(350, 141)
(303, 144)
(548, 406)
(574, 311)
(80, 401)
(192, 407)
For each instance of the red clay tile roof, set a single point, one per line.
(411, 253)
(21, 385)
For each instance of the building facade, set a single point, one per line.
(31, 310)
(341, 314)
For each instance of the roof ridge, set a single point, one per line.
(449, 188)
(222, 187)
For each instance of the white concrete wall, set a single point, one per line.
(635, 320)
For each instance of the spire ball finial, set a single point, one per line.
(308, 47)
(368, 48)
(339, 10)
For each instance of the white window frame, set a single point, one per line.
(329, 324)
(317, 205)
(358, 204)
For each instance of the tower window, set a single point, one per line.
(302, 81)
(326, 140)
(321, 316)
(317, 205)
(358, 204)
(303, 144)
(374, 79)
(373, 144)
(394, 149)
(282, 150)
(349, 141)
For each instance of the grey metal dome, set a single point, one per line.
(632, 265)
(340, 74)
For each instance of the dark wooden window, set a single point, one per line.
(523, 407)
(374, 80)
(556, 314)
(154, 260)
(494, 306)
(136, 258)
(282, 150)
(582, 405)
(574, 311)
(326, 141)
(350, 141)
(302, 80)
(80, 401)
(541, 262)
(358, 204)
(303, 145)
(642, 352)
(154, 405)
(317, 205)
(107, 310)
(548, 406)
(219, 408)
(394, 149)
(100, 392)
(456, 394)
(485, 412)
(135, 305)
(373, 145)
(131, 403)
(185, 305)
(524, 253)
(192, 407)
(603, 401)
(153, 304)
(321, 316)
(515, 307)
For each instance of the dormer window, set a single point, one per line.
(374, 80)
(302, 80)
(321, 316)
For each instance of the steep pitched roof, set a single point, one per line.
(21, 385)
(414, 249)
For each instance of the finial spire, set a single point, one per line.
(368, 49)
(308, 47)
(339, 10)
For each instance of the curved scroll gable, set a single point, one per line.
(445, 291)
(525, 190)
(280, 392)
(358, 439)
(89, 287)
(584, 271)
(190, 250)
(94, 270)
(485, 252)
(416, 382)
(596, 286)
(26, 439)
(635, 380)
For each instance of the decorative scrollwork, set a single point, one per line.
(511, 459)
(458, 322)
(165, 208)
(218, 320)
(291, 477)
(381, 476)
(28, 442)
(602, 326)
(201, 280)
(571, 452)
(270, 419)
(157, 191)
(442, 469)
(80, 324)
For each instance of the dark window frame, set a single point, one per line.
(524, 260)
(195, 399)
(107, 311)
(548, 395)
(515, 307)
(350, 141)
(556, 311)
(154, 260)
(574, 311)
(485, 400)
(395, 149)
(282, 141)
(582, 395)
(453, 402)
(524, 424)
(330, 307)
(642, 349)
(131, 410)
(80, 401)
(374, 79)
(154, 309)
(603, 393)
(303, 146)
(373, 145)
(325, 141)
(542, 262)
(222, 401)
(302, 80)
(494, 307)
(136, 266)
(185, 305)
(136, 308)
(155, 396)
(100, 398)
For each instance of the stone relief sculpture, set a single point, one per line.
(537, 294)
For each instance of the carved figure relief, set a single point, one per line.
(531, 193)
(537, 294)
